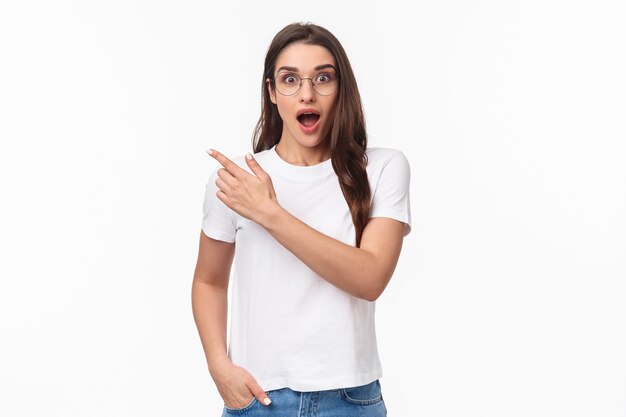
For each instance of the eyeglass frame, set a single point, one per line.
(273, 80)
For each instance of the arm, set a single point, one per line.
(363, 272)
(209, 296)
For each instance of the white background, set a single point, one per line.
(510, 295)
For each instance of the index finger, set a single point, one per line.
(234, 169)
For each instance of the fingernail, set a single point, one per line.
(209, 151)
(248, 155)
(267, 401)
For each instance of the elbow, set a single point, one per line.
(371, 297)
(375, 280)
(374, 291)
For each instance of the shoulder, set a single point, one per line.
(379, 157)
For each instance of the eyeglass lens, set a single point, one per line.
(324, 83)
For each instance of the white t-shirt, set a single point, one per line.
(290, 327)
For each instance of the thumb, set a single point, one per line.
(259, 393)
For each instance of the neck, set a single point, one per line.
(297, 154)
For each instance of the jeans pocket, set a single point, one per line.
(363, 394)
(241, 409)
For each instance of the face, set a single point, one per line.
(303, 59)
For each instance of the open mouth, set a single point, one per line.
(308, 119)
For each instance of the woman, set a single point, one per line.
(316, 220)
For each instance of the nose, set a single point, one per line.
(307, 93)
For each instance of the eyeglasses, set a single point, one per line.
(289, 83)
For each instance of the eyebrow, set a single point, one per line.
(319, 67)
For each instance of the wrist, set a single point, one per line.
(217, 361)
(270, 214)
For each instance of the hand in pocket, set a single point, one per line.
(236, 385)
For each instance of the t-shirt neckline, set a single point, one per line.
(301, 171)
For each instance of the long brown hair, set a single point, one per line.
(348, 138)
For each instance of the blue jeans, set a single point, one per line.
(364, 400)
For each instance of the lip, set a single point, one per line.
(307, 110)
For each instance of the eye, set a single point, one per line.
(324, 77)
(289, 78)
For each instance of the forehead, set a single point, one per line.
(304, 57)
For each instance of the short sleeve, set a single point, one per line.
(217, 217)
(392, 196)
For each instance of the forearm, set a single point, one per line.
(210, 310)
(351, 269)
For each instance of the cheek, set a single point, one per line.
(331, 110)
(283, 107)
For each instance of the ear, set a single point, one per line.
(271, 90)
